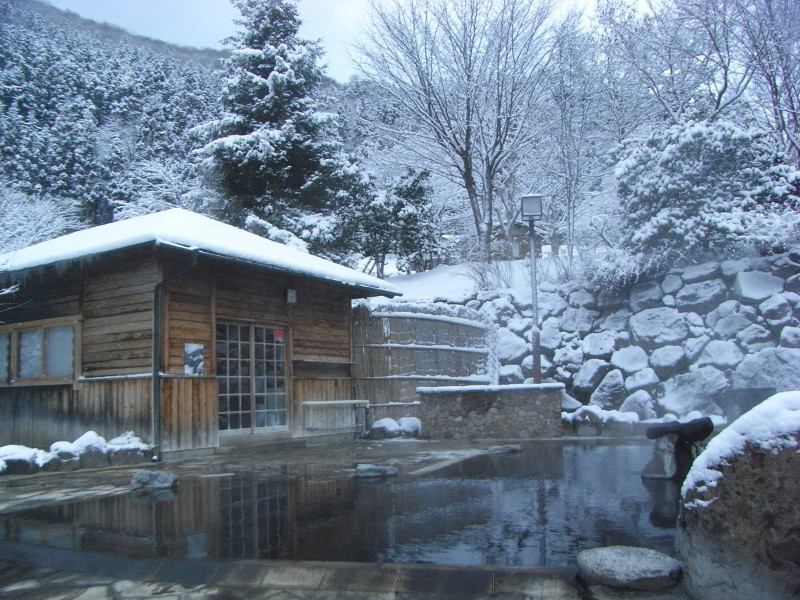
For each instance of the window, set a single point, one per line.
(38, 352)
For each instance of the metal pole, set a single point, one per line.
(535, 354)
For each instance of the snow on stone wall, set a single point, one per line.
(671, 346)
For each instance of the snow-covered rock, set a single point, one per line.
(599, 345)
(694, 346)
(551, 304)
(500, 310)
(730, 318)
(569, 356)
(731, 268)
(519, 325)
(629, 359)
(668, 360)
(753, 287)
(510, 347)
(579, 319)
(550, 338)
(590, 375)
(755, 337)
(90, 441)
(793, 284)
(776, 310)
(777, 368)
(702, 296)
(696, 390)
(641, 403)
(410, 426)
(739, 523)
(582, 298)
(671, 284)
(616, 321)
(646, 379)
(722, 354)
(695, 273)
(568, 403)
(64, 450)
(611, 390)
(629, 567)
(696, 324)
(511, 374)
(790, 337)
(643, 295)
(384, 429)
(654, 327)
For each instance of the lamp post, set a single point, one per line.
(531, 211)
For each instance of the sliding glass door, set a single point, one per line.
(251, 372)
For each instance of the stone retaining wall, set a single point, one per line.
(685, 342)
(485, 412)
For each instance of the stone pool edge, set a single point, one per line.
(388, 578)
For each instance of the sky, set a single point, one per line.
(204, 23)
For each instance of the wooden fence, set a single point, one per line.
(399, 347)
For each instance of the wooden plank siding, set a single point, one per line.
(39, 416)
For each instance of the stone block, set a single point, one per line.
(630, 359)
(704, 272)
(753, 287)
(654, 327)
(643, 295)
(702, 296)
(629, 567)
(93, 459)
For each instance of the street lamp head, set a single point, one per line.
(531, 207)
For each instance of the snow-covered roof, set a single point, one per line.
(183, 228)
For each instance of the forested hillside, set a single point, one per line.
(95, 123)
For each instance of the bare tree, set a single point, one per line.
(770, 34)
(686, 53)
(471, 74)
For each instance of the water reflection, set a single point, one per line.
(539, 507)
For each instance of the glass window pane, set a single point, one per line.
(59, 350)
(5, 355)
(30, 353)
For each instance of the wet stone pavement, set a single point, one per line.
(33, 572)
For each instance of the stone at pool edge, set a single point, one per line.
(629, 567)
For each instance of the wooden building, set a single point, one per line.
(179, 328)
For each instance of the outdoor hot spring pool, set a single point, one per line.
(537, 507)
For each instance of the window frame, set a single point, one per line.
(15, 329)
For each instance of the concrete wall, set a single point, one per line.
(508, 412)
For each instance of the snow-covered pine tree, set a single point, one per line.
(396, 220)
(273, 149)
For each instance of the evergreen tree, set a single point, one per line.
(273, 149)
(396, 221)
(696, 188)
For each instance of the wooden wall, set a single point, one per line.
(317, 327)
(113, 297)
(117, 311)
(188, 413)
(38, 416)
